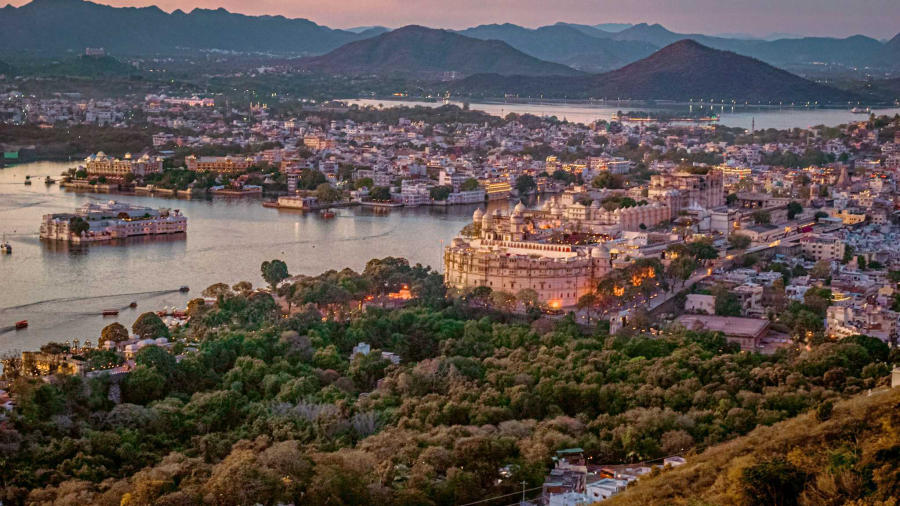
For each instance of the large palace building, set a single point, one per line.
(101, 164)
(507, 253)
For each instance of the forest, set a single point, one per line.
(252, 405)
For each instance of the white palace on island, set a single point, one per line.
(94, 222)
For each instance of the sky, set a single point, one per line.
(833, 18)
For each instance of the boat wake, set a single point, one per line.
(57, 300)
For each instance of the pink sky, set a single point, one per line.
(838, 18)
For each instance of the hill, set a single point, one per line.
(580, 46)
(76, 24)
(681, 71)
(5, 68)
(850, 456)
(419, 51)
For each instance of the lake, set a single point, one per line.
(588, 113)
(62, 289)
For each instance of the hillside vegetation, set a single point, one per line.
(271, 409)
(848, 456)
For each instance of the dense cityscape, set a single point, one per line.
(646, 307)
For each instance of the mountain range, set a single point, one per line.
(58, 26)
(681, 71)
(426, 52)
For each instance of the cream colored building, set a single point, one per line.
(219, 164)
(506, 254)
(101, 164)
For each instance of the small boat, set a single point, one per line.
(28, 180)
(110, 312)
(184, 289)
(860, 110)
(21, 324)
(5, 247)
(49, 180)
(327, 213)
(133, 304)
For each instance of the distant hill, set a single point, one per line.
(681, 71)
(848, 457)
(57, 26)
(5, 68)
(579, 46)
(420, 51)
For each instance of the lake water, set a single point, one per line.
(588, 113)
(62, 289)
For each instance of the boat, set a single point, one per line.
(28, 180)
(49, 180)
(21, 324)
(860, 110)
(5, 247)
(133, 304)
(327, 213)
(110, 312)
(184, 289)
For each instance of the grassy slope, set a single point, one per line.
(851, 456)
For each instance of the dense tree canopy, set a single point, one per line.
(273, 407)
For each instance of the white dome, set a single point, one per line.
(477, 215)
(520, 208)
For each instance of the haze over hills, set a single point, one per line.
(420, 51)
(578, 46)
(76, 24)
(683, 70)
(640, 40)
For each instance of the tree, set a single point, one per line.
(607, 179)
(365, 182)
(819, 215)
(528, 297)
(739, 241)
(762, 217)
(525, 184)
(274, 272)
(861, 262)
(150, 326)
(469, 184)
(78, 226)
(703, 249)
(587, 303)
(821, 269)
(727, 303)
(380, 194)
(216, 290)
(327, 193)
(115, 332)
(242, 287)
(440, 193)
(682, 267)
(793, 209)
(157, 358)
(772, 482)
(142, 385)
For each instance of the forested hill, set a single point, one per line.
(417, 50)
(682, 71)
(60, 26)
(272, 409)
(850, 455)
